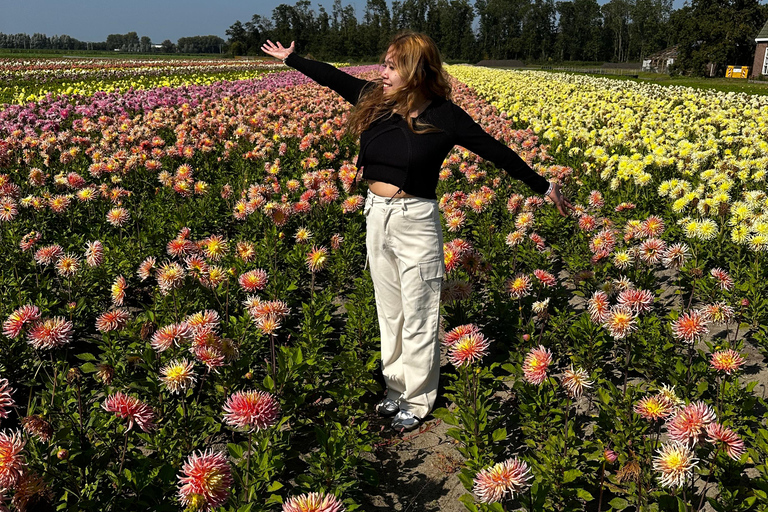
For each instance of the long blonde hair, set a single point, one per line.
(418, 62)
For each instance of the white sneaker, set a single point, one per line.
(387, 407)
(405, 421)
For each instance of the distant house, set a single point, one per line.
(760, 65)
(659, 62)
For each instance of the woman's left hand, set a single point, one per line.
(557, 197)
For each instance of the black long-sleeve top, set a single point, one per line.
(390, 152)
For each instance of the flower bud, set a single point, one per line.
(62, 454)
(610, 455)
(744, 303)
(526, 337)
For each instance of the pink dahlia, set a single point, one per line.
(255, 410)
(6, 400)
(11, 459)
(469, 349)
(50, 333)
(727, 361)
(459, 332)
(502, 479)
(690, 422)
(690, 326)
(132, 409)
(113, 320)
(313, 502)
(734, 446)
(205, 481)
(15, 323)
(535, 365)
(253, 280)
(166, 336)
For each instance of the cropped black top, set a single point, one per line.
(390, 152)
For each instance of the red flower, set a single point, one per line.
(599, 307)
(469, 349)
(313, 502)
(639, 301)
(690, 326)
(132, 409)
(536, 364)
(689, 423)
(11, 460)
(50, 333)
(547, 279)
(205, 481)
(118, 291)
(255, 410)
(734, 446)
(723, 279)
(253, 280)
(505, 478)
(94, 253)
(6, 401)
(727, 361)
(113, 320)
(13, 326)
(317, 258)
(48, 254)
(459, 332)
(170, 334)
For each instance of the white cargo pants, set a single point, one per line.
(405, 251)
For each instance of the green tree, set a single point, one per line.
(712, 34)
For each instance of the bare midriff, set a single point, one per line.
(386, 189)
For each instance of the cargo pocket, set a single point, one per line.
(433, 269)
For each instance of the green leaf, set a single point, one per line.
(702, 387)
(681, 506)
(571, 475)
(469, 501)
(86, 357)
(499, 434)
(87, 367)
(585, 495)
(235, 450)
(445, 415)
(274, 486)
(618, 503)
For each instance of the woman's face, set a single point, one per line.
(389, 75)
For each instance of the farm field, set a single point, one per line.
(189, 322)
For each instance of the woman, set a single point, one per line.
(407, 126)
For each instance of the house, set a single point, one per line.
(660, 61)
(760, 65)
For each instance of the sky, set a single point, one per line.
(94, 20)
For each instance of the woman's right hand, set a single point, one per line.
(278, 51)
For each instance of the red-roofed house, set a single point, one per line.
(760, 66)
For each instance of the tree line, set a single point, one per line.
(130, 42)
(707, 32)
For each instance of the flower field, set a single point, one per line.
(189, 323)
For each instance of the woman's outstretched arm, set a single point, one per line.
(348, 86)
(471, 135)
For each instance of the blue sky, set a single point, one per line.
(93, 20)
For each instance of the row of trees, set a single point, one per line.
(130, 42)
(707, 31)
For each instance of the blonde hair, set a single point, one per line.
(418, 62)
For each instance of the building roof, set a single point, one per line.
(668, 53)
(763, 35)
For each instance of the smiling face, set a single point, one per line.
(389, 74)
